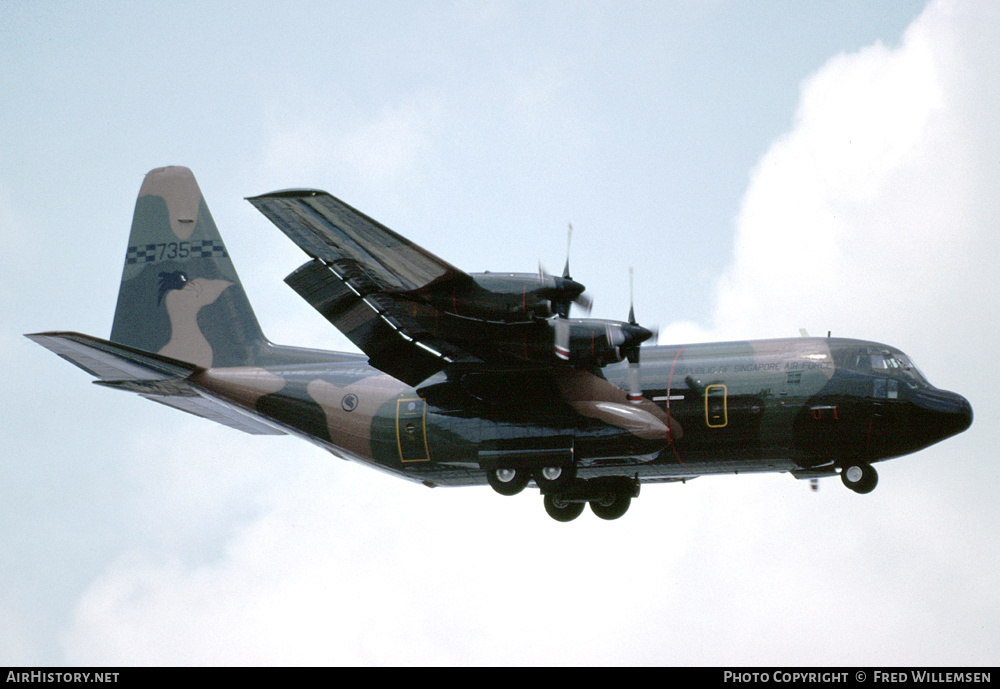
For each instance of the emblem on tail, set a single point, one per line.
(180, 295)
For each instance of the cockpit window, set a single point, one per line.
(898, 361)
(912, 370)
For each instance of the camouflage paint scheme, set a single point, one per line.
(185, 335)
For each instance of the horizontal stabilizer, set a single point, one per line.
(110, 361)
(216, 410)
(152, 376)
(167, 387)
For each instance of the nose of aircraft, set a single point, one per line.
(942, 413)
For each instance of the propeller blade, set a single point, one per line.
(634, 383)
(562, 333)
(581, 299)
(569, 239)
(632, 354)
(547, 282)
(637, 335)
(631, 299)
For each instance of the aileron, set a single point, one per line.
(328, 229)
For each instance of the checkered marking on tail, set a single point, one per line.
(173, 251)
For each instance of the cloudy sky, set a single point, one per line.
(765, 166)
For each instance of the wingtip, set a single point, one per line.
(52, 333)
(288, 194)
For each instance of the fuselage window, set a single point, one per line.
(885, 388)
(880, 388)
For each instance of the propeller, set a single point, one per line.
(561, 292)
(635, 335)
(581, 299)
(619, 340)
(564, 290)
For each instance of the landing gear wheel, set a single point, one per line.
(562, 510)
(507, 481)
(860, 477)
(555, 478)
(611, 506)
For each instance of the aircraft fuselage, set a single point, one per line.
(807, 405)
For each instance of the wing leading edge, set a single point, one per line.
(328, 229)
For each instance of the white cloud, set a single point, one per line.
(866, 217)
(311, 582)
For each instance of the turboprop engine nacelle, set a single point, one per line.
(593, 342)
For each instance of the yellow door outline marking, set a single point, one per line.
(411, 414)
(725, 406)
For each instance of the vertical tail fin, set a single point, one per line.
(180, 295)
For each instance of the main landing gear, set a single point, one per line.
(609, 498)
(508, 481)
(565, 495)
(860, 477)
(511, 481)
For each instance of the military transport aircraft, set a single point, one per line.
(473, 378)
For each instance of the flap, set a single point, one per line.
(395, 342)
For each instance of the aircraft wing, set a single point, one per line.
(358, 277)
(328, 229)
(377, 322)
(378, 288)
(152, 376)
